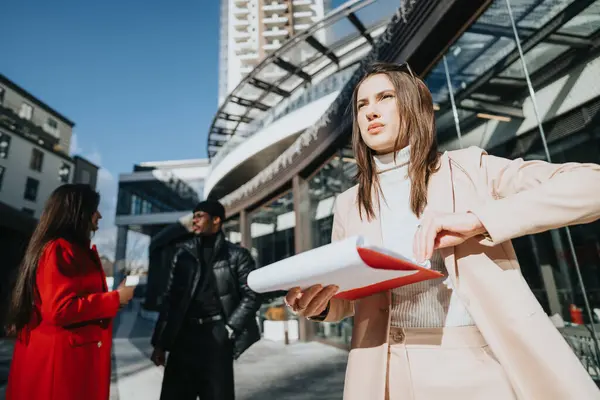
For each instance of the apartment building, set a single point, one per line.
(252, 29)
(34, 145)
(34, 160)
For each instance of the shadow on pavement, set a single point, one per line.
(314, 383)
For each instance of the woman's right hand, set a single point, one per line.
(125, 293)
(312, 301)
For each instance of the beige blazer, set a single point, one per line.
(512, 199)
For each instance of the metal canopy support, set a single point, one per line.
(539, 36)
(521, 54)
(554, 38)
(275, 58)
(321, 48)
(454, 110)
(566, 61)
(269, 87)
(249, 103)
(492, 108)
(222, 131)
(291, 68)
(360, 27)
(235, 118)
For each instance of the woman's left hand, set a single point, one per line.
(439, 230)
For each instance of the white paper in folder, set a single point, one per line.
(355, 267)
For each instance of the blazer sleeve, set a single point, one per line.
(536, 196)
(338, 309)
(62, 301)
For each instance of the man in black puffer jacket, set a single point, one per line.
(208, 316)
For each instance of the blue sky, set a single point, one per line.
(139, 79)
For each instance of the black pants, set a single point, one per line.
(200, 365)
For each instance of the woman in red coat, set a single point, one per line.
(61, 308)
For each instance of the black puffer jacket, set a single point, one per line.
(231, 266)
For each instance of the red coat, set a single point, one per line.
(65, 352)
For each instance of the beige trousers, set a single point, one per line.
(443, 363)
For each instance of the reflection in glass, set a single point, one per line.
(546, 259)
(333, 178)
(272, 231)
(232, 231)
(584, 24)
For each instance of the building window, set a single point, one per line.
(1, 95)
(51, 127)
(4, 145)
(64, 172)
(26, 111)
(28, 211)
(2, 169)
(86, 177)
(37, 160)
(31, 189)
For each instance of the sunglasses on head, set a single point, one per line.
(404, 67)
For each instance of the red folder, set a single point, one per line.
(357, 268)
(378, 260)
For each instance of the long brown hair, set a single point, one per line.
(68, 215)
(417, 128)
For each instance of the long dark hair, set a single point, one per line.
(68, 215)
(417, 128)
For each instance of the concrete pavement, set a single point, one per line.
(268, 370)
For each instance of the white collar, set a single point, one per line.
(386, 162)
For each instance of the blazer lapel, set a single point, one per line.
(440, 198)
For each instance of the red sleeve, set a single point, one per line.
(62, 301)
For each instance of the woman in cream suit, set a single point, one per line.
(478, 332)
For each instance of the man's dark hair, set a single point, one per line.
(212, 208)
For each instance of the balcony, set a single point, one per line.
(245, 48)
(241, 23)
(301, 27)
(274, 6)
(302, 3)
(241, 3)
(272, 46)
(240, 12)
(276, 32)
(303, 14)
(275, 20)
(26, 128)
(241, 36)
(249, 56)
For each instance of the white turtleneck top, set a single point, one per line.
(428, 304)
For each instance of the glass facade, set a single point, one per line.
(272, 229)
(232, 231)
(151, 197)
(335, 177)
(485, 66)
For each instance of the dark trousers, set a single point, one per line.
(200, 365)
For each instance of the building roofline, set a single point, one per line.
(176, 163)
(4, 80)
(77, 156)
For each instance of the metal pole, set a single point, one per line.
(454, 110)
(547, 151)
